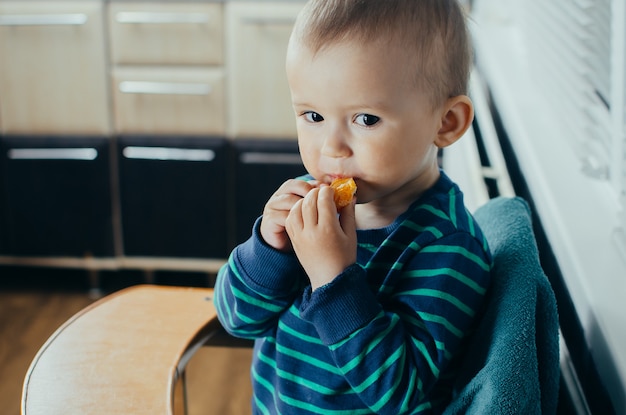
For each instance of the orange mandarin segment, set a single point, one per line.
(344, 188)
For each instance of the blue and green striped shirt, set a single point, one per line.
(384, 337)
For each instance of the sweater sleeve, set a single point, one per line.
(394, 346)
(255, 286)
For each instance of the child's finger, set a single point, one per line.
(295, 187)
(309, 207)
(287, 195)
(326, 204)
(294, 221)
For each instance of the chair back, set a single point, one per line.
(512, 363)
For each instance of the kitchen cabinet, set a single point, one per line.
(140, 133)
(259, 102)
(168, 86)
(174, 196)
(53, 68)
(164, 101)
(167, 71)
(166, 33)
(56, 196)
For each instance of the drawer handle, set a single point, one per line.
(161, 18)
(253, 157)
(164, 88)
(53, 154)
(269, 21)
(71, 19)
(168, 153)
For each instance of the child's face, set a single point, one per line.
(360, 113)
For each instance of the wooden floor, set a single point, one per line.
(217, 378)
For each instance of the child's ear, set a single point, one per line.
(457, 116)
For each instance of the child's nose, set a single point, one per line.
(335, 144)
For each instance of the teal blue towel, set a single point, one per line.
(512, 365)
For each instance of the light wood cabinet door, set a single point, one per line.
(53, 68)
(170, 33)
(259, 101)
(164, 100)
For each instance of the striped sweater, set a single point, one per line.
(385, 336)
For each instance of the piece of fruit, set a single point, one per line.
(344, 189)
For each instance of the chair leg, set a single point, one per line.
(180, 396)
(184, 382)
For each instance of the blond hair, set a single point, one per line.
(433, 31)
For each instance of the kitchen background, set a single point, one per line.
(140, 139)
(138, 142)
(140, 135)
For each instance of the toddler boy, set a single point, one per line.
(365, 311)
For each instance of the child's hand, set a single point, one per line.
(276, 210)
(324, 244)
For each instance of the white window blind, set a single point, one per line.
(618, 94)
(576, 50)
(556, 75)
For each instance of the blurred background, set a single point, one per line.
(139, 140)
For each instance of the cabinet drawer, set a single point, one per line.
(56, 196)
(169, 101)
(173, 196)
(53, 77)
(166, 33)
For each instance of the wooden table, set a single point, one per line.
(121, 355)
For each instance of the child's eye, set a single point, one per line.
(311, 116)
(366, 120)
